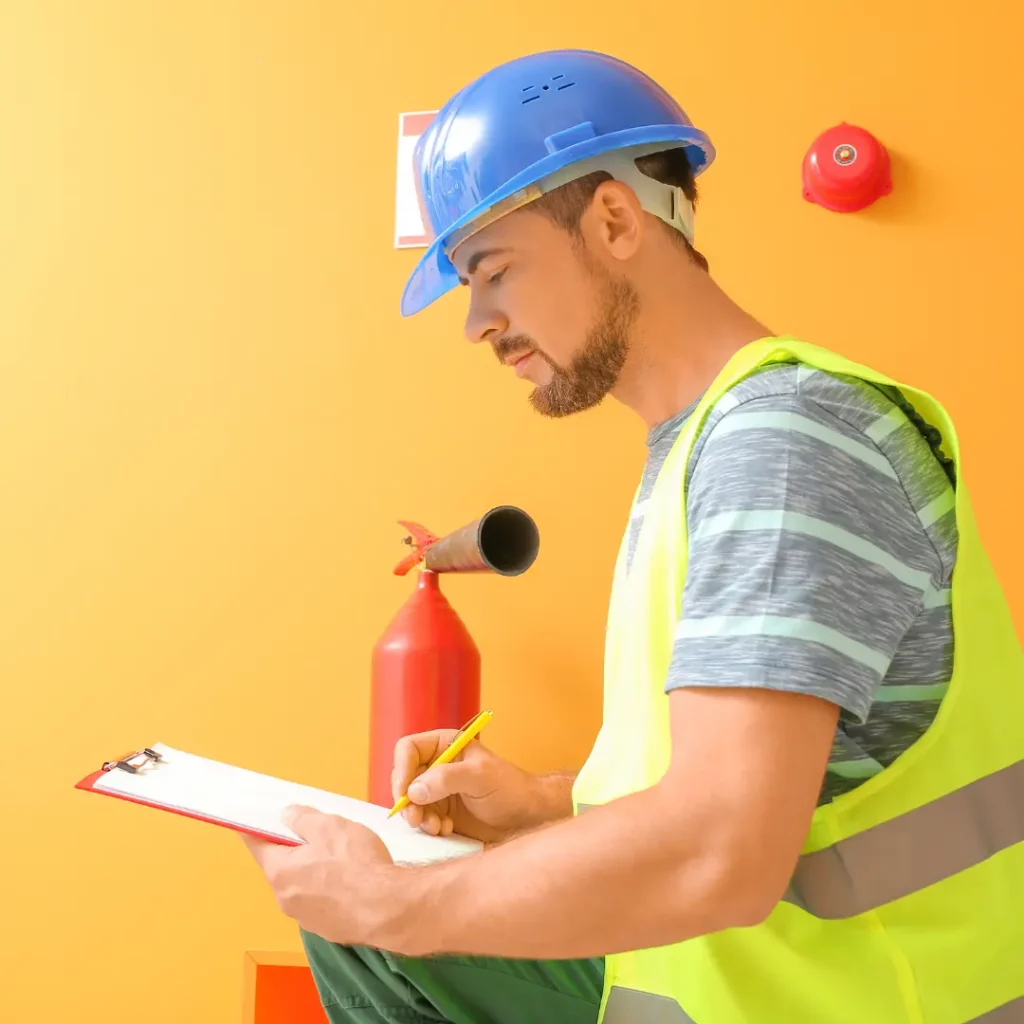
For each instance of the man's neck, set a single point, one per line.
(686, 332)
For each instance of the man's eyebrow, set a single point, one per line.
(477, 258)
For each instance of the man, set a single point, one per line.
(805, 802)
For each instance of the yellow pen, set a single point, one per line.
(462, 738)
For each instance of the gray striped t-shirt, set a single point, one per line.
(822, 541)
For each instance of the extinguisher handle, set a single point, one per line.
(420, 538)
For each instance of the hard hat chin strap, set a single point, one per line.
(667, 202)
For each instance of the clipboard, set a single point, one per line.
(228, 796)
(133, 763)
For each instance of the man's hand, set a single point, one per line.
(479, 794)
(336, 884)
(711, 845)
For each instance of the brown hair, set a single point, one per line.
(567, 204)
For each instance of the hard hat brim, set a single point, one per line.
(435, 275)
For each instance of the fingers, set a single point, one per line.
(257, 846)
(442, 781)
(428, 790)
(267, 855)
(305, 822)
(431, 819)
(435, 823)
(431, 792)
(414, 814)
(413, 754)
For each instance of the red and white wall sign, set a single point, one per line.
(409, 230)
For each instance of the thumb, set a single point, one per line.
(305, 822)
(442, 781)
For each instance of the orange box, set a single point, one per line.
(279, 989)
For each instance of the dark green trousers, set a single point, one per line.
(366, 986)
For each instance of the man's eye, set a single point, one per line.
(495, 278)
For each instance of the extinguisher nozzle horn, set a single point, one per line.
(504, 540)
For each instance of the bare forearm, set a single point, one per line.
(621, 877)
(550, 799)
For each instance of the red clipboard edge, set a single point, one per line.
(88, 785)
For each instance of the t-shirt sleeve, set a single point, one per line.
(807, 563)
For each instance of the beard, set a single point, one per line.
(594, 370)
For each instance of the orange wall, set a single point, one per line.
(212, 413)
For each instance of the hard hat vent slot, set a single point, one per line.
(535, 95)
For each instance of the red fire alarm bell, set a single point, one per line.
(846, 169)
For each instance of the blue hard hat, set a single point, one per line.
(516, 126)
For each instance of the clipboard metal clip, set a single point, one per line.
(131, 763)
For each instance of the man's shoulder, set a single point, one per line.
(784, 395)
(852, 400)
(833, 442)
(794, 396)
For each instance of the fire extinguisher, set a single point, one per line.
(425, 668)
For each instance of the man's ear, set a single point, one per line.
(617, 219)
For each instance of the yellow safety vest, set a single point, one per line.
(907, 904)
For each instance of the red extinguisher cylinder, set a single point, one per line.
(425, 675)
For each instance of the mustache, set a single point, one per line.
(510, 346)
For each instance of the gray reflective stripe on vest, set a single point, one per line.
(917, 849)
(908, 853)
(990, 812)
(631, 1006)
(1009, 1013)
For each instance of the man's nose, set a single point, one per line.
(484, 323)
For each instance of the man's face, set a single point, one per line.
(548, 308)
